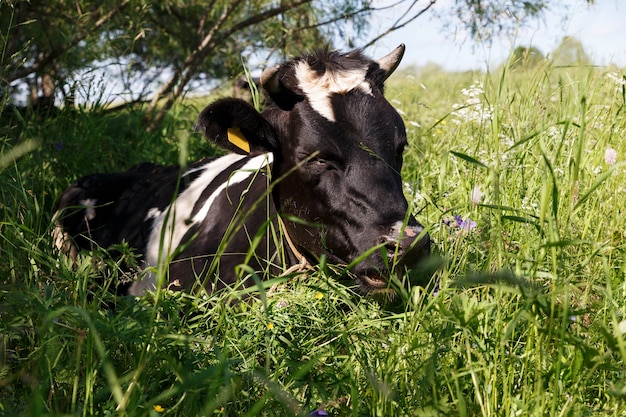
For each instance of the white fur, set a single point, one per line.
(178, 214)
(153, 213)
(319, 88)
(90, 211)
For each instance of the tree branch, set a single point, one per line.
(182, 75)
(50, 57)
(179, 80)
(398, 24)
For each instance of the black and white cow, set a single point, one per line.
(317, 173)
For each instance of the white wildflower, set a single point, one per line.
(553, 132)
(473, 109)
(525, 204)
(610, 156)
(476, 195)
(507, 141)
(618, 79)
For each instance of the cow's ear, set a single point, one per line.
(236, 126)
(281, 85)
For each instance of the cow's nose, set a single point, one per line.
(407, 244)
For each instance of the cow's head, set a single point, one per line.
(337, 145)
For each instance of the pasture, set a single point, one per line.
(519, 178)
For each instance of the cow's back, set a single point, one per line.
(106, 209)
(168, 215)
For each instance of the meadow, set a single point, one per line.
(519, 176)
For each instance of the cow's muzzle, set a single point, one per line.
(404, 246)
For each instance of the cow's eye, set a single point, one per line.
(320, 165)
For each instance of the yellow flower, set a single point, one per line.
(158, 408)
(270, 326)
(319, 295)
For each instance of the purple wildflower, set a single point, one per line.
(58, 146)
(320, 412)
(467, 224)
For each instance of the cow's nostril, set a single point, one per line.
(392, 248)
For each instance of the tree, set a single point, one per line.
(47, 43)
(570, 52)
(524, 57)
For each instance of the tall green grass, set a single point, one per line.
(519, 177)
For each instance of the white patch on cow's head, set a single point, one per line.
(319, 88)
(90, 211)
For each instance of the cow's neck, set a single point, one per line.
(302, 262)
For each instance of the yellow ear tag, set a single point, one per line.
(238, 139)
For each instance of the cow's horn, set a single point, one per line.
(390, 62)
(269, 79)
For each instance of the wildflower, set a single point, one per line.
(507, 141)
(400, 111)
(553, 132)
(466, 224)
(175, 283)
(270, 326)
(610, 156)
(473, 109)
(158, 408)
(319, 295)
(528, 205)
(58, 146)
(615, 77)
(476, 195)
(621, 327)
(320, 412)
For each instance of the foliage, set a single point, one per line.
(50, 44)
(525, 57)
(484, 18)
(159, 49)
(570, 52)
(519, 178)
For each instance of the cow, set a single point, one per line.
(315, 175)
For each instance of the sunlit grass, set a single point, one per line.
(519, 177)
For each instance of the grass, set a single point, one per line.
(525, 317)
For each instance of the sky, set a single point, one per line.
(600, 27)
